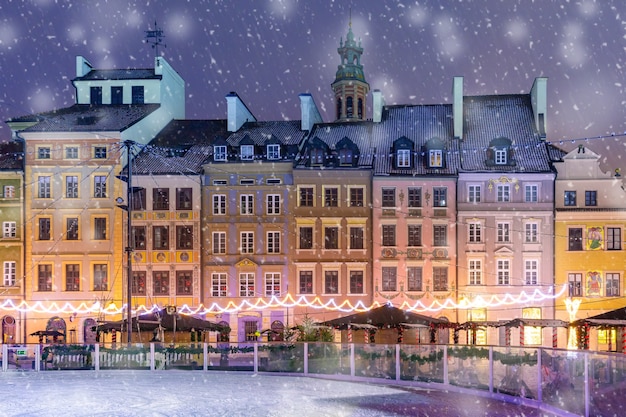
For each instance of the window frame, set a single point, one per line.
(569, 198)
(246, 204)
(9, 273)
(160, 283)
(389, 278)
(220, 153)
(414, 278)
(503, 271)
(246, 242)
(272, 281)
(219, 284)
(356, 282)
(331, 276)
(219, 204)
(247, 287)
(305, 282)
(475, 271)
(71, 186)
(219, 243)
(273, 242)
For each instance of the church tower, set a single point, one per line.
(350, 86)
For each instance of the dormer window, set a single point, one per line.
(317, 156)
(402, 151)
(345, 157)
(500, 156)
(219, 153)
(434, 151)
(500, 152)
(247, 152)
(403, 158)
(435, 158)
(273, 151)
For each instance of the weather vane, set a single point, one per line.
(155, 38)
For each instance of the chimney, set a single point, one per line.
(457, 107)
(83, 67)
(238, 112)
(378, 102)
(539, 100)
(309, 112)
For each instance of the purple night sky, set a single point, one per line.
(271, 51)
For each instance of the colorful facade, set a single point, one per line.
(590, 221)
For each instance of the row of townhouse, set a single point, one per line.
(463, 210)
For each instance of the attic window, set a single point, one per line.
(345, 156)
(402, 151)
(500, 152)
(247, 152)
(435, 158)
(500, 156)
(273, 151)
(403, 158)
(219, 153)
(317, 156)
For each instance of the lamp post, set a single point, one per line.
(128, 144)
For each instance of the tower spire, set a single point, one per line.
(350, 87)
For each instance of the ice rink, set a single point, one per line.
(187, 393)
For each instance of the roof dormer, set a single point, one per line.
(347, 152)
(317, 153)
(434, 152)
(246, 149)
(402, 151)
(500, 152)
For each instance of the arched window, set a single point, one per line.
(338, 107)
(89, 333)
(278, 331)
(349, 107)
(8, 329)
(360, 108)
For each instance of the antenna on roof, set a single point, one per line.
(155, 38)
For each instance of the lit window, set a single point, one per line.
(435, 158)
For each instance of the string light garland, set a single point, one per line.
(288, 301)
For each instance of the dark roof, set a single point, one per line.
(332, 133)
(88, 118)
(119, 74)
(420, 124)
(287, 132)
(182, 147)
(11, 156)
(486, 118)
(382, 317)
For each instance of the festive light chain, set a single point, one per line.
(288, 301)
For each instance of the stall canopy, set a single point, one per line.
(535, 323)
(613, 318)
(383, 317)
(167, 321)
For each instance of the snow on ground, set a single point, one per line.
(184, 393)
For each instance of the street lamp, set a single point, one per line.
(128, 207)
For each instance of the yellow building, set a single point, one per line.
(73, 236)
(590, 218)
